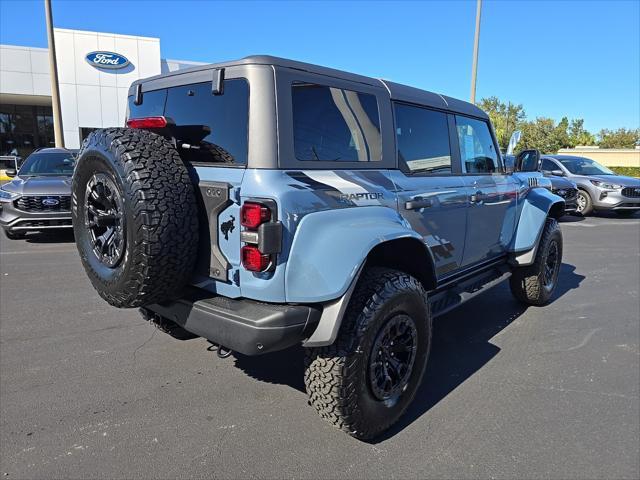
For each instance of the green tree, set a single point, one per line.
(621, 138)
(505, 118)
(547, 136)
(561, 135)
(538, 134)
(578, 135)
(543, 134)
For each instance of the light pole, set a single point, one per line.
(476, 42)
(53, 72)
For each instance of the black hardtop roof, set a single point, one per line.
(396, 91)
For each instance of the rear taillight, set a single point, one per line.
(262, 235)
(253, 215)
(254, 260)
(147, 122)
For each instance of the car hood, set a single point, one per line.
(40, 185)
(619, 179)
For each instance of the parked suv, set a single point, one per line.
(561, 186)
(39, 197)
(598, 187)
(264, 203)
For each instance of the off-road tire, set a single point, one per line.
(588, 207)
(159, 210)
(217, 153)
(14, 235)
(337, 376)
(528, 282)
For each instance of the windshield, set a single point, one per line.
(59, 163)
(584, 166)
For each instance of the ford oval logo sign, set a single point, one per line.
(50, 202)
(107, 60)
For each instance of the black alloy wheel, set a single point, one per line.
(392, 357)
(551, 266)
(105, 220)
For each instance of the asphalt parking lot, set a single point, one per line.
(90, 391)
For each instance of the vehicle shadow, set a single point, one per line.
(611, 214)
(285, 367)
(461, 346)
(571, 218)
(61, 236)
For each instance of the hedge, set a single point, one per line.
(628, 171)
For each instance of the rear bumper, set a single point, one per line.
(243, 325)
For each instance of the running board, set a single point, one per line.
(444, 301)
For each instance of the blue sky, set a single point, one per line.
(579, 59)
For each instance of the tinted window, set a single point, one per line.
(333, 124)
(476, 145)
(509, 161)
(152, 105)
(217, 125)
(214, 126)
(7, 163)
(585, 166)
(548, 165)
(423, 139)
(24, 128)
(48, 164)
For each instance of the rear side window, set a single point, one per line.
(477, 149)
(422, 139)
(210, 128)
(335, 125)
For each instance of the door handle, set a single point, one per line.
(417, 203)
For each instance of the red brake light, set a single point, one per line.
(253, 215)
(147, 122)
(253, 260)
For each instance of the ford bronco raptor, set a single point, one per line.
(263, 203)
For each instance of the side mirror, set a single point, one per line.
(557, 173)
(527, 161)
(11, 172)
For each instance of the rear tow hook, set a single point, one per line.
(221, 351)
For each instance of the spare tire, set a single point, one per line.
(135, 216)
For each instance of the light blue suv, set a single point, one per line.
(263, 203)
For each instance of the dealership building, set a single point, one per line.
(94, 74)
